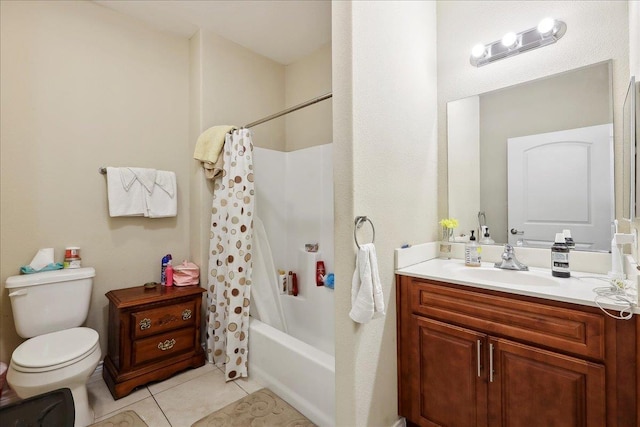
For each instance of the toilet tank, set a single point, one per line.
(50, 301)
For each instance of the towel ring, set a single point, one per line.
(358, 223)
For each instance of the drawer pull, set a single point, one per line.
(479, 349)
(491, 363)
(145, 324)
(186, 314)
(167, 344)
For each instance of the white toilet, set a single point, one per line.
(48, 308)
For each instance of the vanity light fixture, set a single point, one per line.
(548, 31)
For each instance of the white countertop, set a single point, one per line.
(537, 282)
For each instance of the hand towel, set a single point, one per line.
(210, 143)
(212, 170)
(125, 193)
(146, 177)
(163, 200)
(367, 300)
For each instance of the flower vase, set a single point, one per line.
(445, 243)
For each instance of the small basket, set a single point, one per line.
(186, 274)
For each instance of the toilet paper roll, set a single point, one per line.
(43, 258)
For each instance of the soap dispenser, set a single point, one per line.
(472, 252)
(486, 239)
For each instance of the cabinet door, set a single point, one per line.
(449, 375)
(534, 387)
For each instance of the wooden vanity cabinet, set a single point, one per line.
(153, 333)
(470, 357)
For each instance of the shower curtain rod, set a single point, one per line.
(290, 110)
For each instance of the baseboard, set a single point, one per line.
(9, 396)
(400, 422)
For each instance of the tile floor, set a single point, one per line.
(176, 402)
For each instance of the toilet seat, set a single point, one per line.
(54, 350)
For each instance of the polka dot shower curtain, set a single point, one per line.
(230, 263)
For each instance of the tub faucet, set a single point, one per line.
(509, 261)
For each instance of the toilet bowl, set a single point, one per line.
(48, 309)
(62, 359)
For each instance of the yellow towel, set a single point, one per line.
(210, 143)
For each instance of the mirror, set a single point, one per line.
(555, 135)
(629, 139)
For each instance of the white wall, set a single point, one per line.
(82, 87)
(385, 160)
(294, 193)
(634, 67)
(596, 31)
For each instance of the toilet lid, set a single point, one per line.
(55, 348)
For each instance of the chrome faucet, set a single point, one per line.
(509, 261)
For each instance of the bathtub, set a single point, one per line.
(297, 372)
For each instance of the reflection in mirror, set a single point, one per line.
(535, 159)
(629, 173)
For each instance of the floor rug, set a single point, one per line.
(261, 408)
(122, 419)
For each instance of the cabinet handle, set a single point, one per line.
(166, 345)
(186, 314)
(490, 363)
(145, 324)
(479, 352)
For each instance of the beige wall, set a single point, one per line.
(306, 79)
(83, 87)
(229, 85)
(596, 31)
(385, 157)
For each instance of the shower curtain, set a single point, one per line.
(230, 257)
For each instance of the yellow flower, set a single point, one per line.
(449, 223)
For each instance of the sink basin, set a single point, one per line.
(506, 277)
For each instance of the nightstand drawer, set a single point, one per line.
(157, 320)
(163, 345)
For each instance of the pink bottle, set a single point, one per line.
(169, 273)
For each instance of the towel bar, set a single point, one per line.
(358, 223)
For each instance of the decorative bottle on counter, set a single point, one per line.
(472, 252)
(560, 257)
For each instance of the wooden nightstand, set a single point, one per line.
(153, 333)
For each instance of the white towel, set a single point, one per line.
(125, 193)
(367, 300)
(163, 200)
(146, 177)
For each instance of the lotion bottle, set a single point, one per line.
(472, 252)
(169, 274)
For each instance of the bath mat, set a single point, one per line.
(122, 419)
(261, 408)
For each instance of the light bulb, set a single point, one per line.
(546, 26)
(509, 40)
(478, 51)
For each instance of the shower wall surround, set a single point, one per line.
(294, 199)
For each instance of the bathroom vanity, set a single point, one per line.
(471, 354)
(153, 334)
